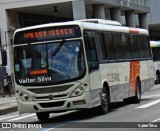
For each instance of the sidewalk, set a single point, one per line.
(7, 104)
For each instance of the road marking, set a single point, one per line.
(32, 118)
(22, 117)
(122, 108)
(48, 129)
(152, 96)
(149, 104)
(156, 120)
(8, 117)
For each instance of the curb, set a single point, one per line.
(8, 110)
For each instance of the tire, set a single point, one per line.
(137, 97)
(103, 108)
(42, 116)
(157, 81)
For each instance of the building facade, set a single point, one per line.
(154, 19)
(16, 14)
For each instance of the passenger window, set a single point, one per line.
(118, 47)
(109, 46)
(147, 47)
(91, 53)
(126, 46)
(134, 46)
(155, 54)
(101, 47)
(142, 48)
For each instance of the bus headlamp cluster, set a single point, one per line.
(23, 96)
(79, 91)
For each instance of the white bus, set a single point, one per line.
(80, 65)
(156, 59)
(0, 58)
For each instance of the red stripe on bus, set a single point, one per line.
(134, 73)
(133, 31)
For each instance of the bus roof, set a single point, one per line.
(88, 24)
(155, 43)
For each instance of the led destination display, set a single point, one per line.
(47, 33)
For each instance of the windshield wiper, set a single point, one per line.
(59, 47)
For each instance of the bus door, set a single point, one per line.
(93, 67)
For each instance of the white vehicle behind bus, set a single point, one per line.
(155, 45)
(80, 65)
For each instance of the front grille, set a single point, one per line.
(52, 104)
(50, 89)
(47, 97)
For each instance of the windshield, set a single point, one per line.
(49, 63)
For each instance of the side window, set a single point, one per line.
(147, 46)
(118, 47)
(126, 46)
(155, 54)
(134, 46)
(91, 52)
(109, 45)
(142, 48)
(101, 47)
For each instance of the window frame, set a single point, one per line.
(94, 32)
(91, 34)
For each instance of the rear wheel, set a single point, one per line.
(137, 97)
(157, 81)
(103, 108)
(42, 116)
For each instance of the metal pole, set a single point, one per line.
(6, 38)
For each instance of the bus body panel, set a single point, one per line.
(95, 86)
(127, 89)
(144, 70)
(151, 70)
(109, 73)
(122, 84)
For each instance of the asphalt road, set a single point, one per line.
(121, 117)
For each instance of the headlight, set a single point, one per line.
(23, 96)
(79, 91)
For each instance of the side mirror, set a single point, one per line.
(4, 58)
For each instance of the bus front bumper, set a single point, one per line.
(73, 103)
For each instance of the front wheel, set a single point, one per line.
(42, 116)
(103, 108)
